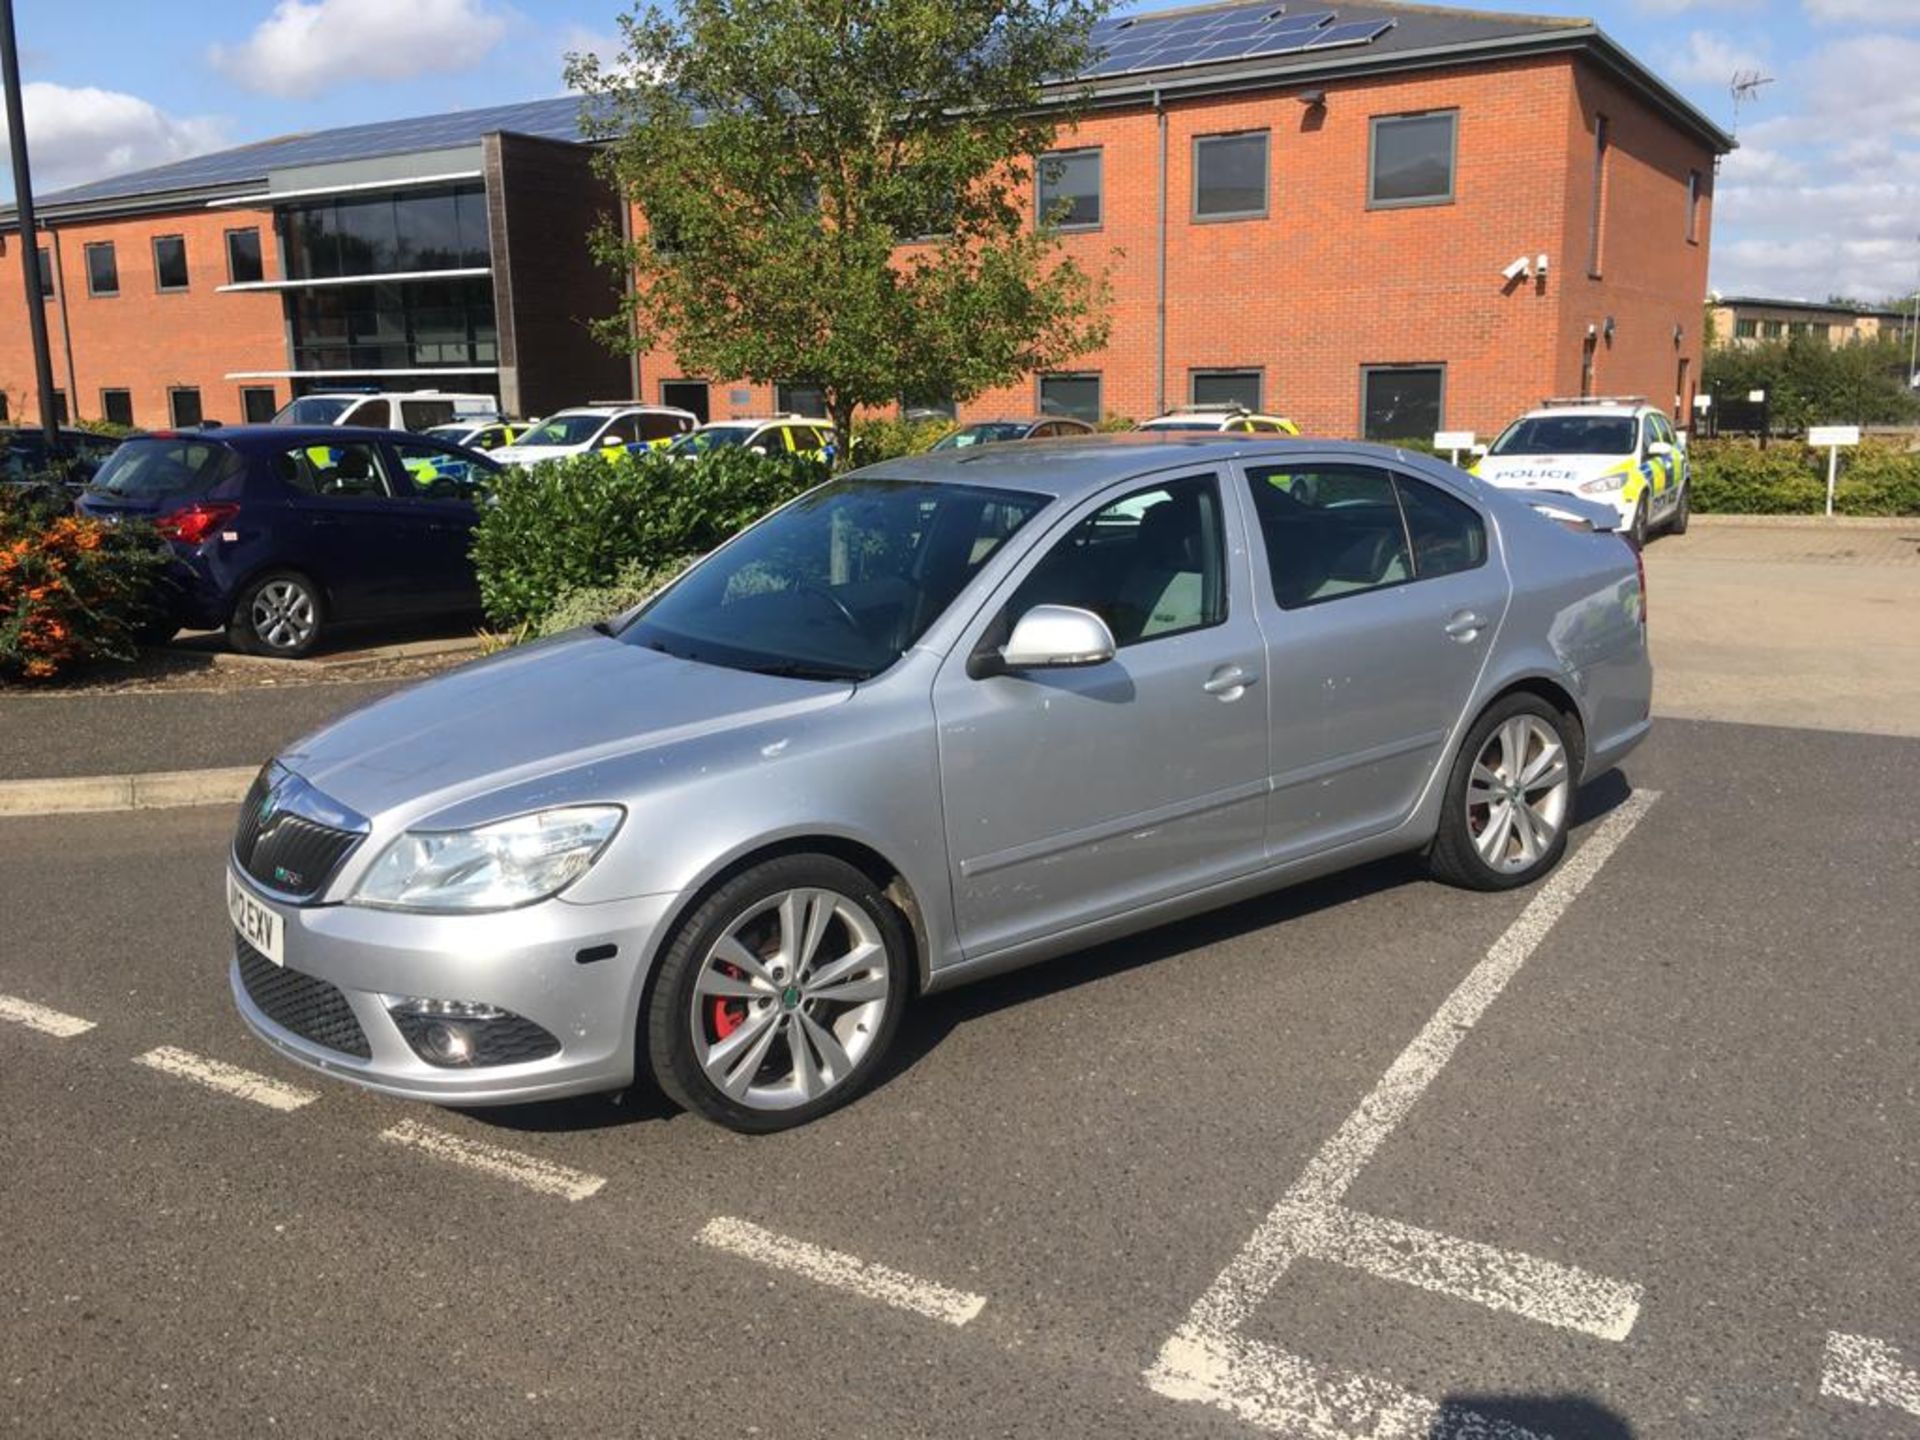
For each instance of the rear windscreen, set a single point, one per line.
(164, 467)
(313, 410)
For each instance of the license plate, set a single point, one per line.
(259, 925)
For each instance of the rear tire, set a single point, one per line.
(778, 997)
(1509, 800)
(279, 614)
(1637, 532)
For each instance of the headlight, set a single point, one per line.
(494, 867)
(1603, 484)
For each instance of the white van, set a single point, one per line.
(403, 410)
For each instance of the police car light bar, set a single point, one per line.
(1567, 401)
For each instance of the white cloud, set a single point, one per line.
(1681, 7)
(604, 45)
(1825, 198)
(82, 133)
(1710, 58)
(306, 47)
(1864, 12)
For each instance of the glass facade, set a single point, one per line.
(434, 229)
(395, 325)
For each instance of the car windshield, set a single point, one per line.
(163, 467)
(837, 585)
(985, 433)
(315, 410)
(713, 437)
(1568, 435)
(564, 430)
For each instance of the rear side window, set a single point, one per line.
(425, 414)
(660, 427)
(156, 468)
(332, 472)
(376, 413)
(435, 473)
(1448, 535)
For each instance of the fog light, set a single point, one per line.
(460, 1034)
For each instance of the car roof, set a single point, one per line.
(1080, 465)
(253, 436)
(1023, 420)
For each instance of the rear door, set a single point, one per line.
(348, 527)
(1379, 598)
(443, 483)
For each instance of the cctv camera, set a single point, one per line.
(1516, 269)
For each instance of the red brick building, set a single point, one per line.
(1389, 220)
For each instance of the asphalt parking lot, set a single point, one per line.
(1633, 1153)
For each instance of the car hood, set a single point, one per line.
(493, 727)
(1548, 472)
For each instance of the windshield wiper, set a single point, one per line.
(799, 670)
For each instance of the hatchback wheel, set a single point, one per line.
(1637, 532)
(777, 997)
(279, 614)
(1682, 511)
(1509, 799)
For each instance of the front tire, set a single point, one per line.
(1682, 510)
(279, 614)
(778, 996)
(1637, 532)
(1509, 801)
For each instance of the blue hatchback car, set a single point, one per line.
(281, 532)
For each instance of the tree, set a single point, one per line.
(836, 192)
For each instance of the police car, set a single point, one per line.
(1219, 419)
(1618, 450)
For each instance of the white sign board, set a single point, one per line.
(1832, 437)
(1703, 402)
(1756, 396)
(1453, 440)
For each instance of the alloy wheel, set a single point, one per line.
(1518, 793)
(284, 614)
(790, 999)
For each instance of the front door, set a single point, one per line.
(1075, 794)
(352, 538)
(1380, 600)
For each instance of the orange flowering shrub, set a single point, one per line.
(71, 589)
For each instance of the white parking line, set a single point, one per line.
(227, 1079)
(1206, 1360)
(845, 1272)
(528, 1170)
(1870, 1372)
(1542, 1290)
(39, 1017)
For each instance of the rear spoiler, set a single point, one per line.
(1571, 509)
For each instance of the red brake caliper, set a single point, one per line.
(728, 1014)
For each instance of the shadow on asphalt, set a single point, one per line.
(928, 1023)
(1564, 1417)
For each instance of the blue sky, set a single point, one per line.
(1823, 197)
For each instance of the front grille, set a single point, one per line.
(288, 853)
(509, 1040)
(309, 1007)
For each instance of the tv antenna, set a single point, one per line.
(1746, 85)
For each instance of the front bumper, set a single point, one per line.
(526, 961)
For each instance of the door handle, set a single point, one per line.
(1229, 681)
(1465, 625)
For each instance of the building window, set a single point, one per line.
(928, 407)
(116, 406)
(257, 404)
(244, 265)
(59, 407)
(1746, 329)
(1075, 395)
(170, 262)
(1599, 194)
(1225, 387)
(1402, 402)
(1411, 161)
(4, 406)
(1069, 185)
(46, 274)
(434, 229)
(395, 325)
(183, 406)
(688, 395)
(1230, 176)
(1693, 207)
(103, 269)
(800, 397)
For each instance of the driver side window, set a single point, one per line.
(1151, 565)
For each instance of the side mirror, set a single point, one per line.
(1659, 448)
(757, 449)
(1057, 637)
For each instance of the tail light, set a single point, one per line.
(195, 523)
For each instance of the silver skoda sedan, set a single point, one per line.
(931, 720)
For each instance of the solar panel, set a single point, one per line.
(1350, 32)
(1305, 20)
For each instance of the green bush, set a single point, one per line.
(1732, 477)
(571, 525)
(635, 581)
(1115, 424)
(886, 437)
